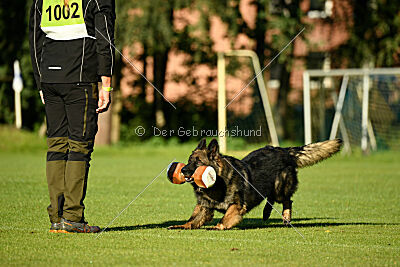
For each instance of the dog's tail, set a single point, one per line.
(314, 153)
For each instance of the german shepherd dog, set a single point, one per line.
(269, 172)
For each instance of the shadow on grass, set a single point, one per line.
(251, 223)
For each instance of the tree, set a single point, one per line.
(288, 22)
(374, 28)
(151, 25)
(276, 23)
(14, 45)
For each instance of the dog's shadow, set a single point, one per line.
(252, 223)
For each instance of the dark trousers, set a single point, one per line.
(71, 129)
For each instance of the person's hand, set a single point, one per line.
(41, 96)
(104, 96)
(104, 101)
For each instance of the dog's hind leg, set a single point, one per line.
(290, 186)
(267, 209)
(232, 217)
(287, 211)
(200, 216)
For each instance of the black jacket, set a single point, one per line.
(66, 48)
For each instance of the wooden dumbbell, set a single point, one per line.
(203, 176)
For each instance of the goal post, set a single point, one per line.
(222, 121)
(363, 94)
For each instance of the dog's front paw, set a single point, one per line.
(182, 227)
(217, 227)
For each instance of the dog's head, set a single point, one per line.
(203, 156)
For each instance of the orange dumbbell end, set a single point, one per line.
(174, 173)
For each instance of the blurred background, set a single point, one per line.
(175, 44)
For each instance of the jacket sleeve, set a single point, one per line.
(36, 38)
(104, 23)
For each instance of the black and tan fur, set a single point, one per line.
(271, 170)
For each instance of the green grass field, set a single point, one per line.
(347, 209)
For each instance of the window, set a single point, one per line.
(275, 7)
(320, 9)
(317, 5)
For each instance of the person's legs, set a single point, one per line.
(81, 103)
(57, 142)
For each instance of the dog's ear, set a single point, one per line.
(202, 144)
(213, 149)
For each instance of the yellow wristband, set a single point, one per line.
(107, 89)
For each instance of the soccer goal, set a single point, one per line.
(361, 106)
(249, 110)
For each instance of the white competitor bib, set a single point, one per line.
(61, 23)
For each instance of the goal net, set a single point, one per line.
(360, 106)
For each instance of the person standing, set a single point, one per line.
(72, 49)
